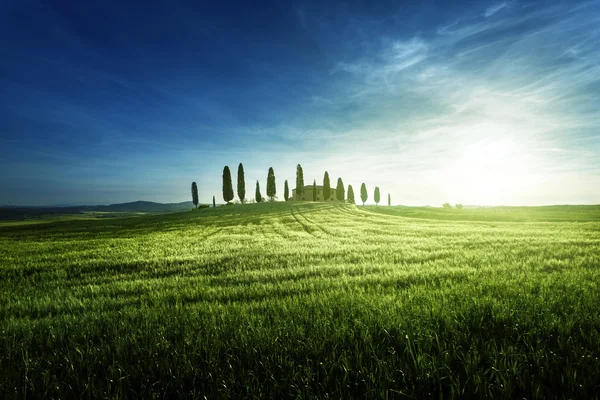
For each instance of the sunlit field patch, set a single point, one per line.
(304, 300)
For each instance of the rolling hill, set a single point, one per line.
(19, 213)
(301, 300)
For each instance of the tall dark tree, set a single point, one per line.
(377, 196)
(326, 186)
(257, 195)
(271, 188)
(363, 193)
(214, 204)
(227, 185)
(340, 192)
(350, 194)
(241, 184)
(389, 199)
(299, 182)
(195, 194)
(286, 191)
(315, 190)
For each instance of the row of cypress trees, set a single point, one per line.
(339, 191)
(228, 194)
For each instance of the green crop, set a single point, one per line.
(280, 300)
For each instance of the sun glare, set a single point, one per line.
(490, 172)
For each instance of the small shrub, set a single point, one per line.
(447, 205)
(459, 206)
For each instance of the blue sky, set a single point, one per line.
(473, 102)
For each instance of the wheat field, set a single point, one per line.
(313, 300)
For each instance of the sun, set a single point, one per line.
(492, 171)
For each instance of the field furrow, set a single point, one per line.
(301, 300)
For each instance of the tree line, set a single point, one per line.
(339, 191)
(340, 194)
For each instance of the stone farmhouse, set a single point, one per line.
(308, 194)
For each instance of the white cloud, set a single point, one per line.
(494, 9)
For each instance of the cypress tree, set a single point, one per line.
(363, 193)
(326, 187)
(350, 194)
(315, 190)
(257, 195)
(339, 190)
(227, 185)
(241, 184)
(389, 199)
(286, 191)
(214, 204)
(271, 188)
(195, 194)
(299, 182)
(377, 198)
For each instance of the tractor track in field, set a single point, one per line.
(211, 234)
(310, 221)
(345, 210)
(283, 231)
(312, 224)
(303, 225)
(277, 228)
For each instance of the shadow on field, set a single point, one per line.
(130, 227)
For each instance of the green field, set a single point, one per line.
(497, 214)
(304, 300)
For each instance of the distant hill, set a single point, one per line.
(143, 207)
(20, 212)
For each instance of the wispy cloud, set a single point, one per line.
(524, 78)
(494, 9)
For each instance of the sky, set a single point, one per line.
(472, 102)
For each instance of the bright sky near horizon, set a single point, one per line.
(473, 102)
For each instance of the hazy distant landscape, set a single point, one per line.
(20, 213)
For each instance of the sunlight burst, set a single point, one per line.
(491, 171)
